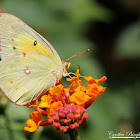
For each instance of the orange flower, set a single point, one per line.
(31, 126)
(33, 123)
(35, 116)
(57, 91)
(80, 88)
(54, 107)
(80, 98)
(33, 104)
(90, 80)
(95, 90)
(45, 101)
(101, 80)
(77, 73)
(75, 82)
(63, 107)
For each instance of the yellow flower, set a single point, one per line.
(57, 91)
(45, 101)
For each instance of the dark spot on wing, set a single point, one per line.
(11, 82)
(14, 47)
(24, 54)
(35, 43)
(27, 71)
(12, 39)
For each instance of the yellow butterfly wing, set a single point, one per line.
(24, 76)
(30, 65)
(16, 36)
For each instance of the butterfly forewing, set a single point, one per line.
(16, 36)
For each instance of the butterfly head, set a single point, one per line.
(66, 65)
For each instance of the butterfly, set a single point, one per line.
(30, 65)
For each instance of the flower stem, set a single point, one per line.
(73, 134)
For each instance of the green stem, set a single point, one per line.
(74, 135)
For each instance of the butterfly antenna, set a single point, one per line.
(77, 54)
(76, 65)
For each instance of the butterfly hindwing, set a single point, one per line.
(24, 76)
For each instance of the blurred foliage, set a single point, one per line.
(128, 45)
(111, 30)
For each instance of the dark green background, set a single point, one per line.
(111, 29)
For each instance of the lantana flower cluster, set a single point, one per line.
(63, 107)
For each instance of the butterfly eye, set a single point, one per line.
(35, 43)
